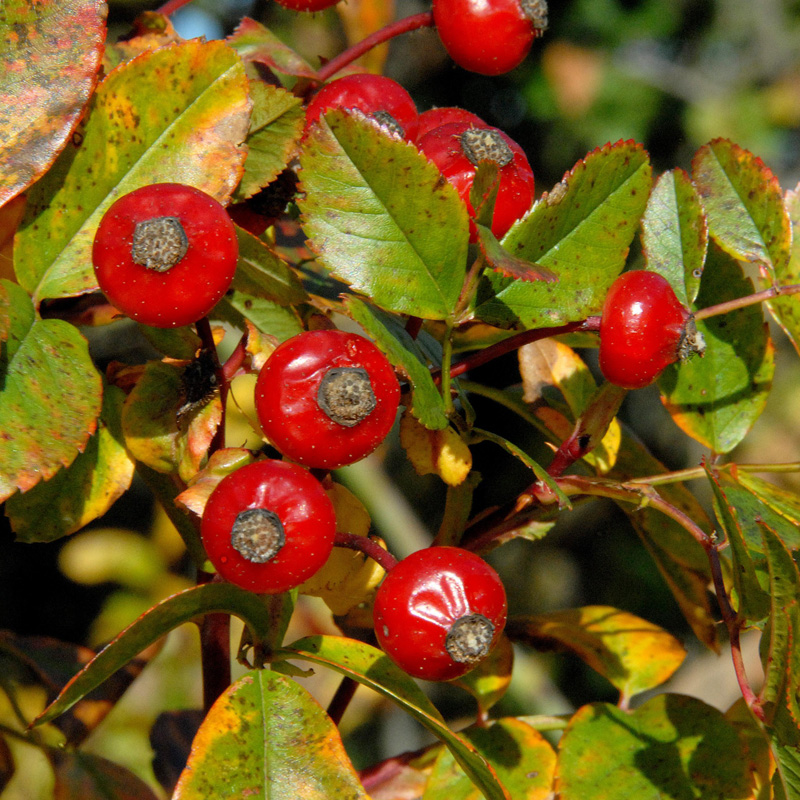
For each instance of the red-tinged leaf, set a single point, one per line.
(756, 747)
(7, 767)
(276, 123)
(490, 680)
(85, 775)
(149, 31)
(675, 233)
(678, 555)
(672, 746)
(786, 310)
(401, 777)
(10, 217)
(136, 133)
(151, 626)
(581, 231)
(742, 197)
(171, 739)
(716, 399)
(380, 216)
(50, 394)
(84, 490)
(48, 68)
(508, 265)
(266, 737)
(258, 44)
(371, 667)
(202, 428)
(523, 759)
(633, 654)
(221, 463)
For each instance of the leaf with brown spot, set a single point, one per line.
(48, 68)
(50, 393)
(79, 774)
(81, 492)
(266, 736)
(178, 114)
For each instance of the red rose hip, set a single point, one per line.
(268, 527)
(374, 95)
(644, 328)
(458, 147)
(439, 612)
(326, 398)
(489, 36)
(165, 254)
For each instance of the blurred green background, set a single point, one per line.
(670, 74)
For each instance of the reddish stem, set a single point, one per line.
(206, 335)
(488, 354)
(171, 6)
(749, 300)
(235, 360)
(412, 23)
(367, 546)
(341, 700)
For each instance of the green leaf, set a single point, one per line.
(717, 398)
(380, 216)
(258, 44)
(675, 234)
(631, 653)
(267, 737)
(50, 394)
(398, 346)
(136, 133)
(181, 343)
(489, 681)
(269, 317)
(261, 273)
(49, 65)
(746, 214)
(783, 646)
(151, 626)
(753, 602)
(786, 310)
(276, 123)
(521, 756)
(371, 667)
(672, 746)
(581, 232)
(776, 507)
(81, 492)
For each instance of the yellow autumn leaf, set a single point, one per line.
(441, 452)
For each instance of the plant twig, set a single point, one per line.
(367, 546)
(412, 23)
(749, 300)
(341, 699)
(206, 335)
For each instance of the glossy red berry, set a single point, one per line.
(165, 254)
(436, 117)
(489, 36)
(307, 5)
(374, 95)
(268, 527)
(644, 328)
(458, 147)
(439, 612)
(326, 398)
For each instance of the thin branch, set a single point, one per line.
(749, 300)
(367, 546)
(412, 23)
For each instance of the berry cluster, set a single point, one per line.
(165, 254)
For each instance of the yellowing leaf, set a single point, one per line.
(632, 653)
(441, 452)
